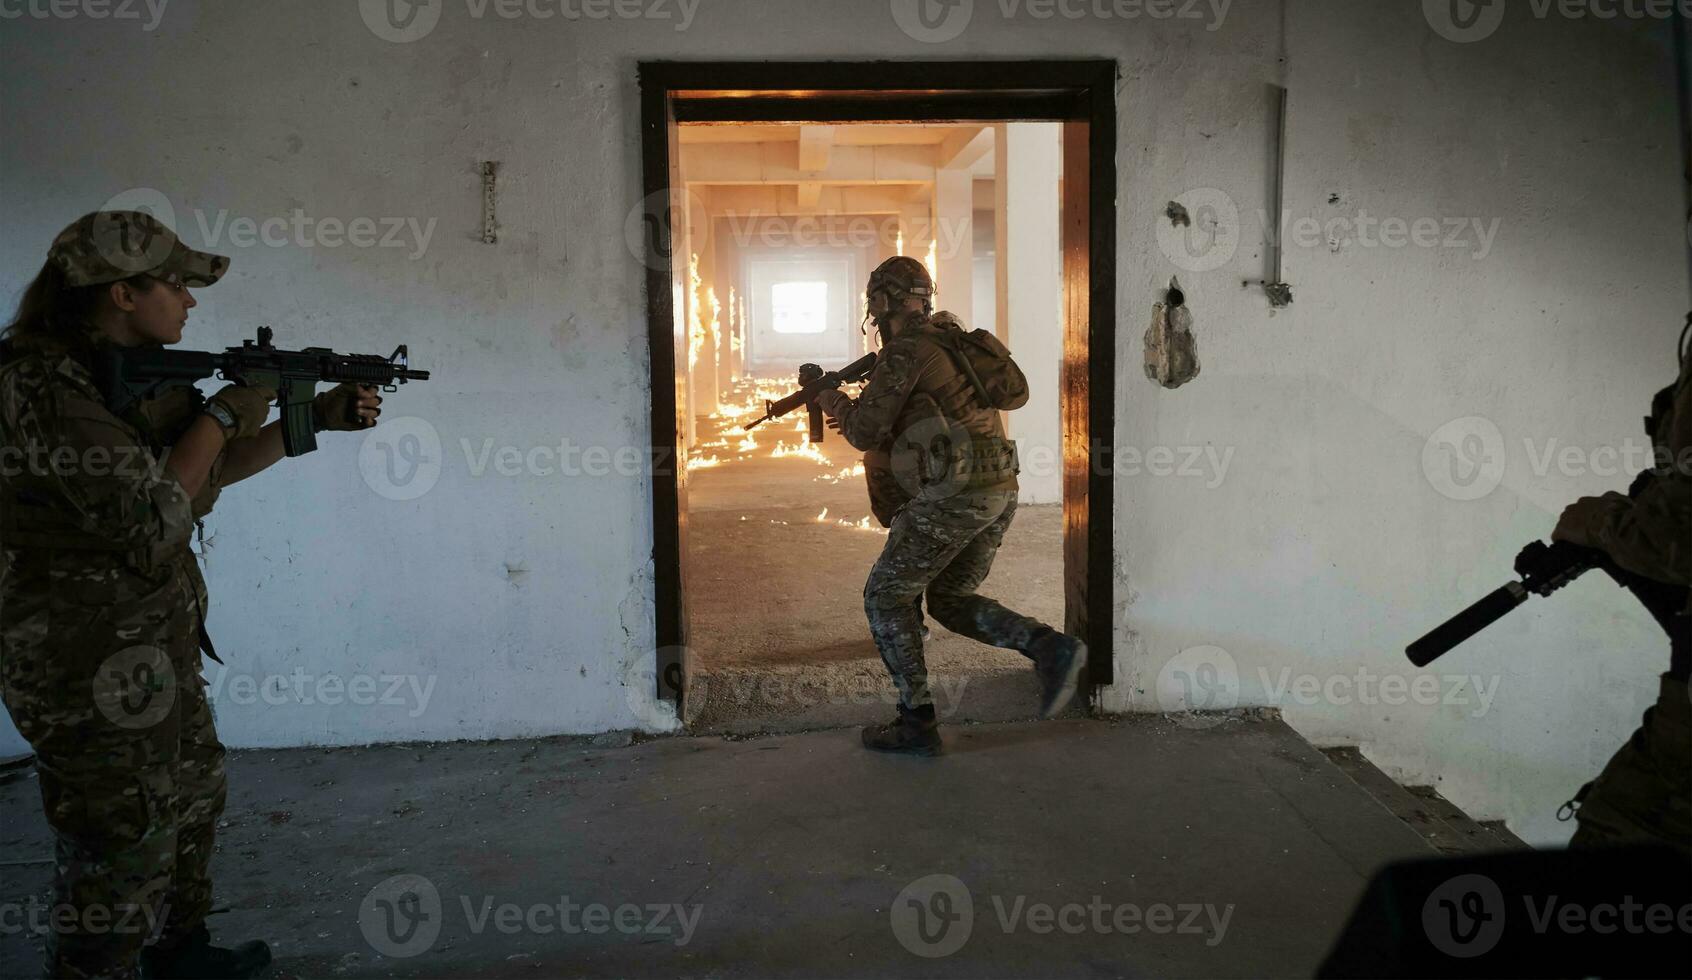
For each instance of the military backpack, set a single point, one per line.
(986, 362)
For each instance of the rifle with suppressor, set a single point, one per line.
(812, 381)
(1545, 568)
(126, 375)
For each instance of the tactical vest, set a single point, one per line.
(948, 428)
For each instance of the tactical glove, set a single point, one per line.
(336, 410)
(831, 402)
(249, 405)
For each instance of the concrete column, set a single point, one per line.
(916, 226)
(737, 344)
(954, 210)
(1031, 301)
(1001, 233)
(725, 263)
(711, 316)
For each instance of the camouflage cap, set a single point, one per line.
(106, 246)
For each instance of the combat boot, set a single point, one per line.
(914, 732)
(1058, 659)
(195, 958)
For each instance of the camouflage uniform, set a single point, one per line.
(1645, 792)
(102, 608)
(886, 496)
(948, 456)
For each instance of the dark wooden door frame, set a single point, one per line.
(1079, 94)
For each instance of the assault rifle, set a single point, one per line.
(127, 375)
(812, 381)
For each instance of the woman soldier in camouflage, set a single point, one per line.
(102, 605)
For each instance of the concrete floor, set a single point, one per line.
(776, 595)
(793, 851)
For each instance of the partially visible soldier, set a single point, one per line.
(1645, 792)
(935, 444)
(102, 606)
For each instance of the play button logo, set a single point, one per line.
(400, 21)
(1464, 21)
(933, 21)
(933, 916)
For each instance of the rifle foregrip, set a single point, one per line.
(1442, 638)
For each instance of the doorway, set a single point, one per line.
(1079, 96)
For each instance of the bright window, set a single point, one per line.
(799, 307)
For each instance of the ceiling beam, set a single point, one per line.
(964, 148)
(815, 144)
(768, 200)
(777, 163)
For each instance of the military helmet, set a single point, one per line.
(902, 276)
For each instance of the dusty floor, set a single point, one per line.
(778, 549)
(1234, 850)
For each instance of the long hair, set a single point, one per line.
(51, 309)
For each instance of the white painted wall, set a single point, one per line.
(1325, 548)
(527, 599)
